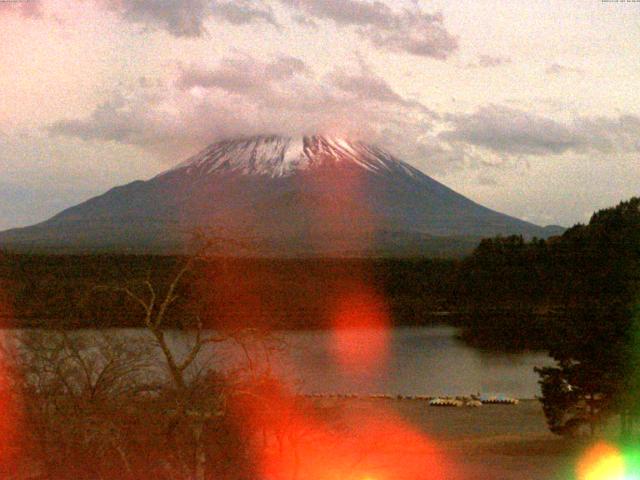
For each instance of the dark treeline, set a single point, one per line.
(77, 291)
(539, 293)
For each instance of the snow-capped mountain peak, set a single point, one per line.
(281, 156)
(314, 195)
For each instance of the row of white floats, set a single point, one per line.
(473, 401)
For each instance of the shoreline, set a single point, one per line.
(376, 396)
(506, 442)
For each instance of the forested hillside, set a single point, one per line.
(535, 293)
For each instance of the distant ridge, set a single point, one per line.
(280, 196)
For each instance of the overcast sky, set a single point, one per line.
(527, 107)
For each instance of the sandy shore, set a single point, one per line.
(496, 442)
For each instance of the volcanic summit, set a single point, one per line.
(291, 196)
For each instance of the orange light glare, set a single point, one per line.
(358, 352)
(602, 462)
(9, 408)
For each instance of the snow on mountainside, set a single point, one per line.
(312, 195)
(279, 156)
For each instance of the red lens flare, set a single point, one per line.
(294, 439)
(10, 411)
(360, 331)
(398, 451)
(9, 425)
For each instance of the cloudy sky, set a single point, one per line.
(530, 107)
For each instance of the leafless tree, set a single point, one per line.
(138, 403)
(196, 401)
(73, 389)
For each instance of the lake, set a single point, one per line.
(428, 361)
(419, 361)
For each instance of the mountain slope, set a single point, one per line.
(295, 196)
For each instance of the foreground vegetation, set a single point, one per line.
(90, 404)
(582, 292)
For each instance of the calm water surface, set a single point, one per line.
(419, 361)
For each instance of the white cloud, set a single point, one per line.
(557, 69)
(186, 18)
(244, 96)
(510, 131)
(407, 30)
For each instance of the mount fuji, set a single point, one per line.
(276, 195)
